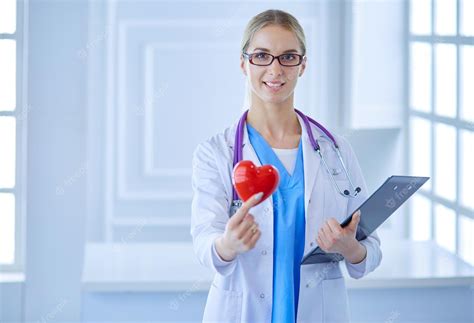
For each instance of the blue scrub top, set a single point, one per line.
(288, 229)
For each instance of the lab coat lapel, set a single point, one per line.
(248, 153)
(311, 160)
(311, 163)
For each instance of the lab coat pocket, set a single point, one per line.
(223, 305)
(335, 205)
(335, 304)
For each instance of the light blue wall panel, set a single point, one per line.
(57, 161)
(10, 302)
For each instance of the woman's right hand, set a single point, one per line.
(241, 232)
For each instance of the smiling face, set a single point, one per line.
(275, 83)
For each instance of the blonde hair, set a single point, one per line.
(273, 17)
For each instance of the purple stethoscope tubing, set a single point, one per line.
(238, 152)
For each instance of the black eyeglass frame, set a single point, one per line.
(250, 58)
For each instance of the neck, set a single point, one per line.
(277, 123)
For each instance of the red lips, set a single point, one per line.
(249, 179)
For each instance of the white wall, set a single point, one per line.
(159, 68)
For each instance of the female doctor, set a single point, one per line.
(256, 253)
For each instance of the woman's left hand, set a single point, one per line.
(333, 238)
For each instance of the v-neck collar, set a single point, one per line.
(285, 176)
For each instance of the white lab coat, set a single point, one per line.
(242, 289)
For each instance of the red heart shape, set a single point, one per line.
(249, 179)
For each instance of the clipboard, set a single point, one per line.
(374, 211)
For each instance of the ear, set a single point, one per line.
(303, 67)
(242, 65)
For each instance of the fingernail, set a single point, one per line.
(258, 196)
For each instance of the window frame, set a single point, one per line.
(433, 39)
(20, 113)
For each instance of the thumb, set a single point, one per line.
(355, 220)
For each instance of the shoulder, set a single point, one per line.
(345, 147)
(218, 144)
(341, 140)
(343, 143)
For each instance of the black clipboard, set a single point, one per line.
(374, 211)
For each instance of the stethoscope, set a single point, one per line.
(238, 152)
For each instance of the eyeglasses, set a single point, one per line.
(265, 59)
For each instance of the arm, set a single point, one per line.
(209, 210)
(371, 244)
(217, 239)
